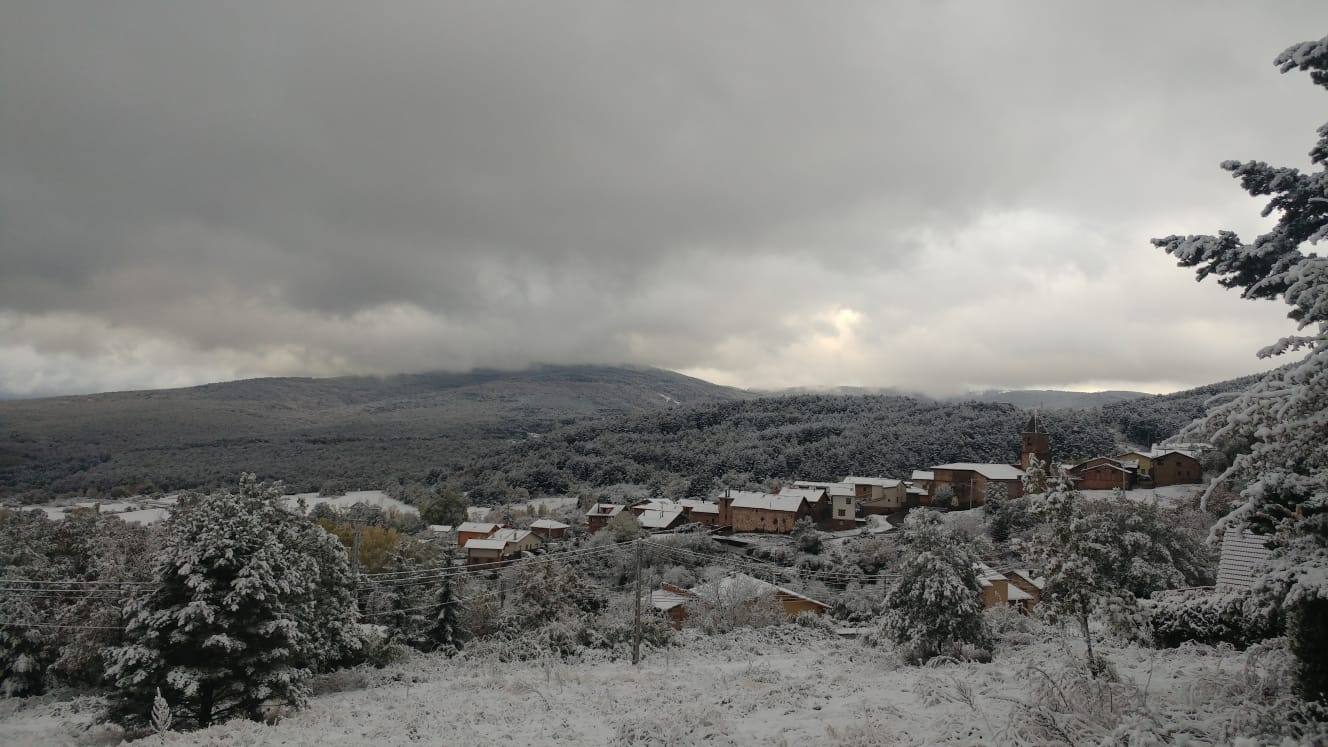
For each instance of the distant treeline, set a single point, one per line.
(692, 451)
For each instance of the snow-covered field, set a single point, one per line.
(371, 497)
(553, 503)
(778, 686)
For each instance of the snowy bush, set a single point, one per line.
(805, 536)
(1204, 616)
(1008, 626)
(735, 603)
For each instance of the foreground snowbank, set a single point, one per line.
(786, 685)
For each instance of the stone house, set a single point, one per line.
(1175, 468)
(878, 495)
(969, 481)
(747, 511)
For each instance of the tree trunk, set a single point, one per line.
(205, 696)
(1088, 641)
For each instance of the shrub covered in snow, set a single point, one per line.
(1205, 616)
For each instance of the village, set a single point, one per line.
(851, 506)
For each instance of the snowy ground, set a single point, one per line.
(1165, 496)
(778, 686)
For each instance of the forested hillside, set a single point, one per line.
(360, 431)
(689, 451)
(506, 434)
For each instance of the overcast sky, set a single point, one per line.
(931, 195)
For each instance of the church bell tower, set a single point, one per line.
(1034, 442)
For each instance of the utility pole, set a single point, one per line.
(355, 560)
(636, 636)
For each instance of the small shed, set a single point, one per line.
(1030, 586)
(1242, 553)
(661, 518)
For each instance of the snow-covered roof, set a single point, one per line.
(485, 544)
(915, 490)
(1145, 454)
(664, 600)
(741, 581)
(813, 484)
(811, 495)
(1015, 594)
(767, 501)
(440, 527)
(922, 474)
(1108, 463)
(884, 482)
(548, 524)
(1027, 575)
(1242, 551)
(988, 575)
(511, 535)
(1168, 452)
(989, 471)
(699, 507)
(654, 518)
(657, 504)
(483, 527)
(605, 509)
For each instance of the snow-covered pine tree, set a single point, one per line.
(231, 624)
(446, 633)
(936, 604)
(996, 507)
(1277, 427)
(336, 637)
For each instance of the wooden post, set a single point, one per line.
(636, 636)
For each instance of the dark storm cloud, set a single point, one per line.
(192, 191)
